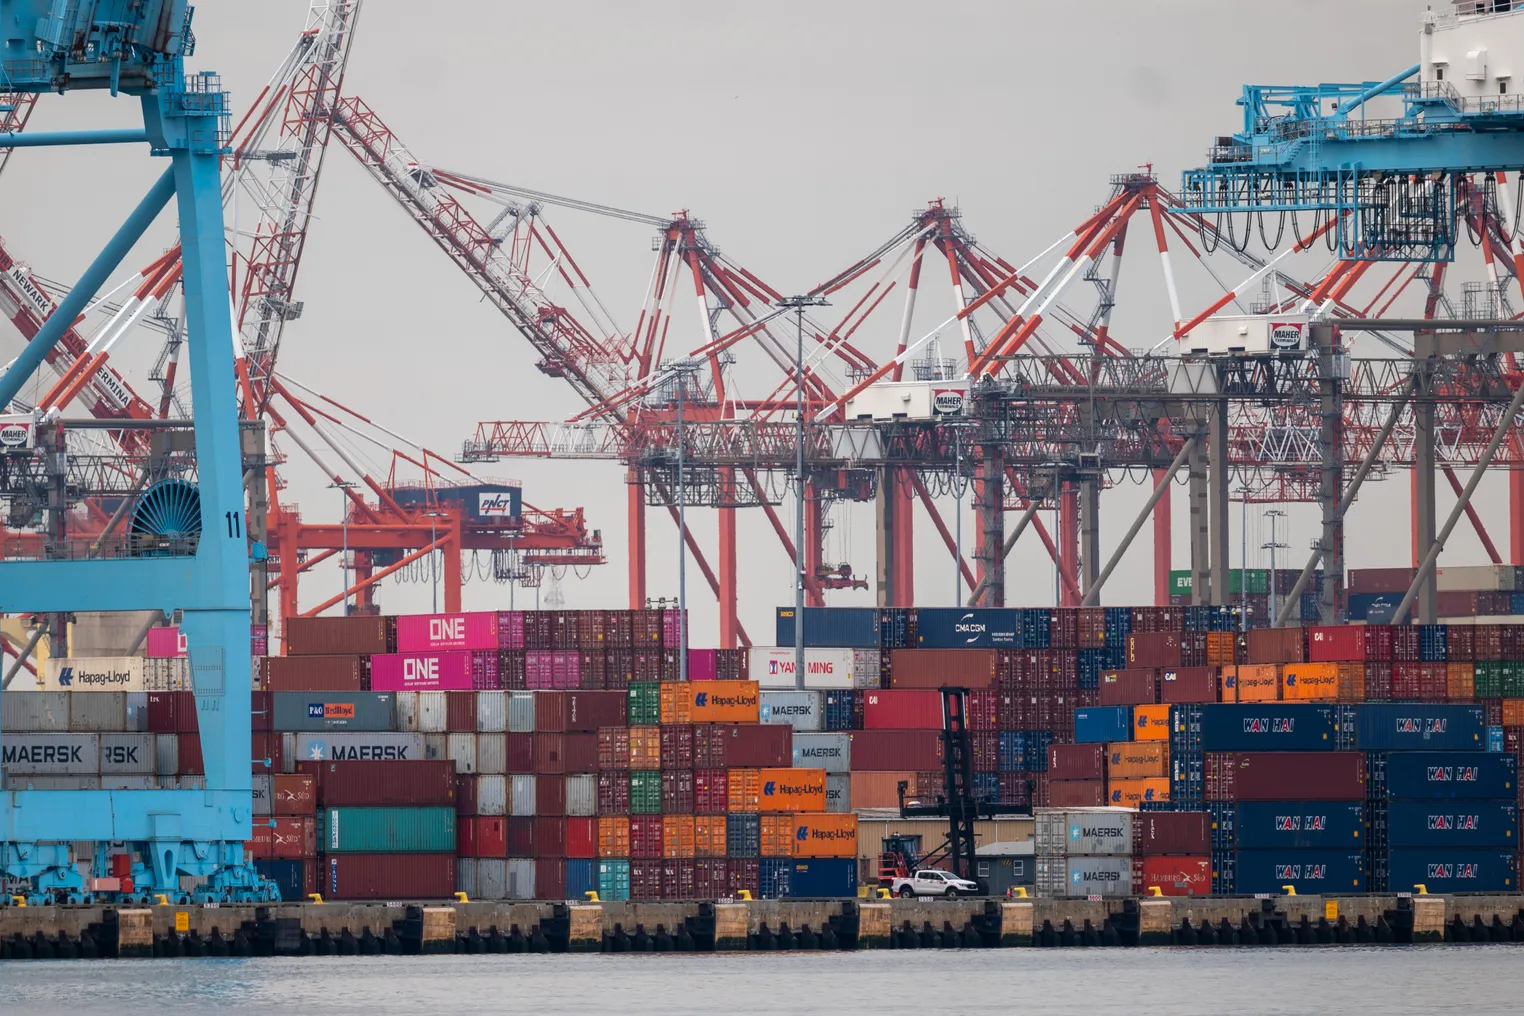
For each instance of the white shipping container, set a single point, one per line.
(42, 782)
(908, 400)
(1485, 578)
(829, 751)
(34, 712)
(288, 755)
(181, 782)
(491, 712)
(170, 674)
(772, 667)
(93, 673)
(51, 754)
(839, 792)
(465, 878)
(801, 710)
(433, 712)
(1084, 876)
(492, 753)
(128, 754)
(436, 746)
(521, 712)
(262, 782)
(128, 781)
(360, 746)
(581, 796)
(521, 799)
(520, 878)
(166, 754)
(461, 749)
(407, 711)
(1083, 832)
(101, 711)
(491, 794)
(137, 711)
(491, 878)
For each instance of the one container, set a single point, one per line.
(362, 746)
(432, 633)
(829, 752)
(388, 830)
(428, 671)
(798, 709)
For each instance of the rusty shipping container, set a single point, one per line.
(1076, 793)
(557, 712)
(932, 668)
(731, 746)
(380, 784)
(314, 673)
(357, 635)
(390, 876)
(1155, 649)
(1285, 776)
(878, 750)
(1277, 645)
(1129, 687)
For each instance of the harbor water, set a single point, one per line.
(1480, 980)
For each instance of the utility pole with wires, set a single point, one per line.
(1274, 515)
(797, 304)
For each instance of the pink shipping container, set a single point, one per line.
(671, 629)
(552, 670)
(703, 664)
(432, 633)
(449, 671)
(166, 643)
(510, 629)
(902, 710)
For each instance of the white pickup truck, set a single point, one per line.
(932, 882)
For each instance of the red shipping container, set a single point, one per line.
(1380, 580)
(984, 710)
(1171, 832)
(744, 873)
(292, 837)
(613, 748)
(933, 668)
(1017, 788)
(466, 785)
(986, 750)
(593, 672)
(1354, 643)
(1155, 649)
(1405, 643)
(550, 878)
(1189, 684)
(1075, 793)
(677, 879)
(645, 879)
(711, 791)
(549, 795)
(1285, 776)
(519, 836)
(314, 673)
(645, 837)
(460, 712)
(582, 837)
(260, 719)
(677, 792)
(520, 753)
(1378, 681)
(677, 746)
(566, 711)
(1016, 710)
(891, 750)
(709, 878)
(293, 794)
(743, 746)
(383, 783)
(1092, 628)
(390, 876)
(355, 634)
(1172, 876)
(1077, 761)
(1458, 603)
(1460, 643)
(1063, 628)
(1129, 687)
(481, 836)
(549, 836)
(190, 755)
(1277, 645)
(614, 792)
(268, 746)
(902, 710)
(565, 753)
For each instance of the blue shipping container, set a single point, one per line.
(1443, 775)
(1187, 779)
(1452, 871)
(743, 835)
(1496, 741)
(1257, 726)
(1293, 825)
(1452, 824)
(843, 710)
(987, 786)
(1434, 643)
(894, 628)
(1094, 724)
(833, 627)
(288, 877)
(1036, 627)
(1024, 750)
(1309, 872)
(581, 878)
(613, 880)
(1374, 607)
(964, 628)
(813, 878)
(1415, 726)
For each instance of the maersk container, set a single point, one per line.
(971, 628)
(1462, 824)
(1308, 872)
(51, 754)
(614, 880)
(1084, 876)
(388, 830)
(831, 752)
(839, 792)
(360, 710)
(1095, 724)
(127, 754)
(833, 627)
(363, 746)
(798, 709)
(1445, 870)
(1256, 726)
(809, 878)
(1443, 775)
(1084, 831)
(1413, 726)
(1282, 825)
(262, 793)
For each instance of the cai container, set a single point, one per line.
(1308, 872)
(1288, 825)
(902, 710)
(432, 633)
(391, 876)
(388, 830)
(1452, 871)
(831, 752)
(1404, 726)
(1189, 684)
(303, 711)
(1460, 824)
(1285, 776)
(1446, 775)
(800, 710)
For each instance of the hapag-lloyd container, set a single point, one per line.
(1444, 775)
(103, 673)
(433, 633)
(1296, 825)
(824, 668)
(1084, 876)
(433, 671)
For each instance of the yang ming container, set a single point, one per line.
(388, 830)
(1412, 726)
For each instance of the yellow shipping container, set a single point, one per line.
(1310, 682)
(1150, 723)
(709, 836)
(1460, 681)
(1260, 682)
(1136, 760)
(1131, 793)
(825, 835)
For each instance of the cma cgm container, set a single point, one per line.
(958, 628)
(1444, 775)
(1292, 825)
(833, 627)
(1441, 870)
(1412, 726)
(1309, 872)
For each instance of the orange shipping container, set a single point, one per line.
(709, 836)
(1513, 712)
(1131, 793)
(1221, 648)
(1460, 681)
(1150, 723)
(677, 836)
(1310, 682)
(825, 835)
(1137, 760)
(777, 836)
(876, 789)
(1351, 682)
(744, 790)
(613, 836)
(1260, 682)
(645, 747)
(792, 790)
(711, 702)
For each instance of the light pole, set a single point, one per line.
(1274, 515)
(797, 304)
(1243, 559)
(433, 539)
(343, 486)
(957, 520)
(681, 371)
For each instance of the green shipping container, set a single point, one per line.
(613, 880)
(645, 703)
(388, 830)
(645, 792)
(1259, 582)
(1489, 679)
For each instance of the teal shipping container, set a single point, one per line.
(613, 880)
(388, 830)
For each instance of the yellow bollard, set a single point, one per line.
(160, 900)
(883, 893)
(1154, 890)
(592, 896)
(743, 894)
(461, 898)
(1020, 892)
(1420, 890)
(315, 897)
(19, 901)
(1290, 890)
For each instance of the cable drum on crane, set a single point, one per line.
(167, 519)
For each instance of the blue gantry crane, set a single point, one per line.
(1379, 187)
(137, 48)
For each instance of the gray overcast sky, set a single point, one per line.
(803, 134)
